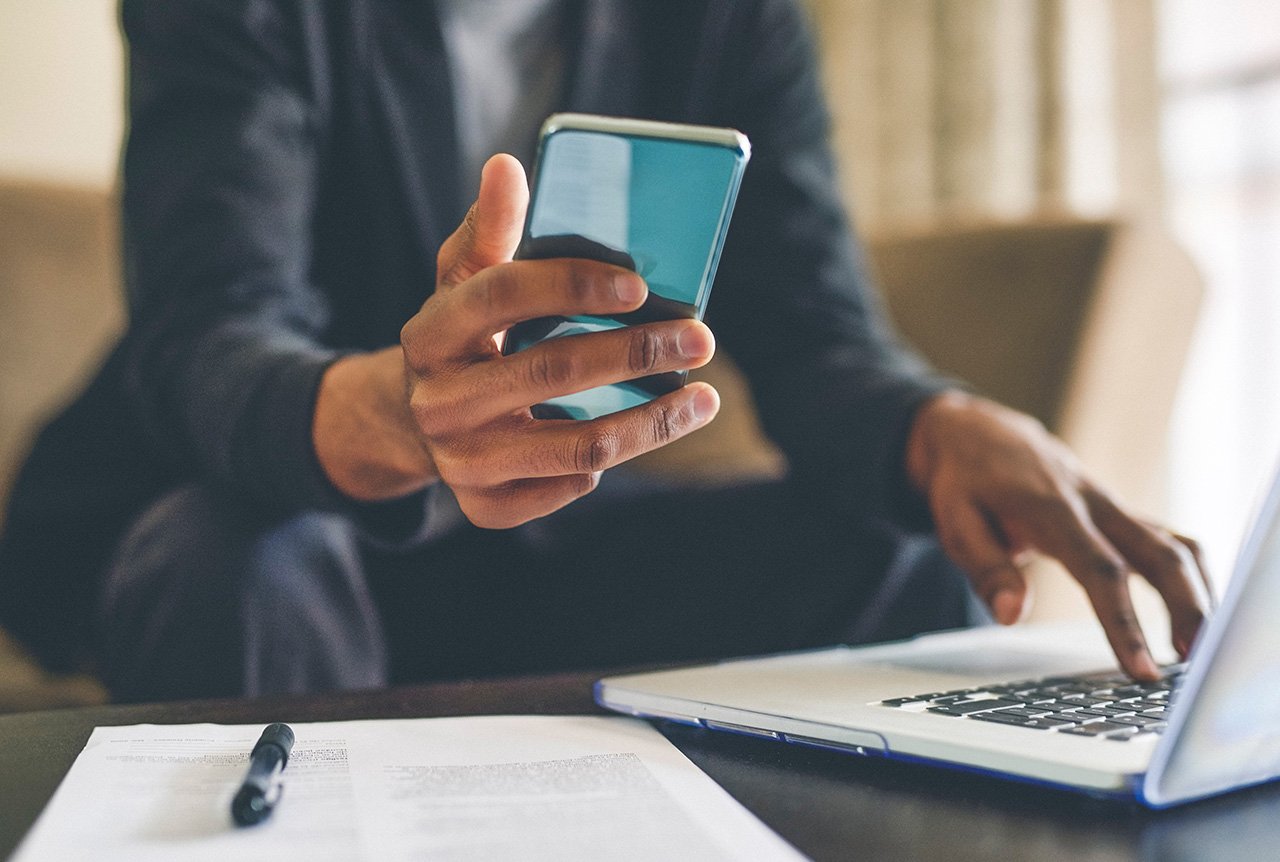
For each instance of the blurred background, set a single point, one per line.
(1164, 111)
(1075, 203)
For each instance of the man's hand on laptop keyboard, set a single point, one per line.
(999, 486)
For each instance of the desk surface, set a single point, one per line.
(831, 806)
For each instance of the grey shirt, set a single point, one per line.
(507, 62)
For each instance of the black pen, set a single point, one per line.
(262, 788)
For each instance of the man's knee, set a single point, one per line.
(202, 600)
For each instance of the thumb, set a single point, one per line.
(491, 231)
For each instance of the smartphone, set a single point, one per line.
(652, 197)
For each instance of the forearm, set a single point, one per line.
(844, 424)
(227, 339)
(364, 435)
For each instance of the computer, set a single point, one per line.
(1039, 703)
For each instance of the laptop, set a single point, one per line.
(1038, 703)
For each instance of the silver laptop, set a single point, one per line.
(1027, 702)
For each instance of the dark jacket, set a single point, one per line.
(289, 175)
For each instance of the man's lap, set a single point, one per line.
(627, 575)
(642, 573)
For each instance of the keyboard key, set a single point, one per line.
(972, 706)
(1025, 711)
(903, 701)
(1136, 720)
(1049, 722)
(1084, 700)
(1006, 688)
(1107, 711)
(1097, 728)
(1042, 723)
(1075, 716)
(998, 718)
(1073, 688)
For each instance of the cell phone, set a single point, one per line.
(649, 196)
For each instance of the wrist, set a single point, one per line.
(363, 432)
(926, 434)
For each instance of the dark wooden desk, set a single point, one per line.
(831, 806)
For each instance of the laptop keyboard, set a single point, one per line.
(1104, 705)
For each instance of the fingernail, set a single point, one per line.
(629, 287)
(1006, 605)
(695, 342)
(705, 404)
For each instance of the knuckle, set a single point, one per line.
(645, 349)
(460, 473)
(1050, 505)
(488, 295)
(551, 370)
(494, 510)
(412, 344)
(579, 281)
(666, 423)
(1108, 571)
(425, 416)
(1123, 629)
(468, 226)
(1130, 636)
(433, 409)
(409, 335)
(1124, 618)
(464, 463)
(594, 451)
(1168, 557)
(489, 298)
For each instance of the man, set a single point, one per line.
(345, 485)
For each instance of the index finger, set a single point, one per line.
(501, 296)
(1092, 560)
(1166, 562)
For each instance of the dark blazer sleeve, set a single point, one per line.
(224, 350)
(794, 303)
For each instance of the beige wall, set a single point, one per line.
(61, 83)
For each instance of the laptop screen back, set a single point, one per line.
(1228, 733)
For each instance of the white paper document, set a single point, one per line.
(490, 787)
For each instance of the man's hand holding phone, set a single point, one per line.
(468, 405)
